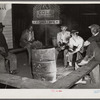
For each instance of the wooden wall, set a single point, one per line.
(6, 19)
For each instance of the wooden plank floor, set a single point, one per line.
(69, 80)
(65, 79)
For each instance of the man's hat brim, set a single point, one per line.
(94, 26)
(74, 31)
(64, 26)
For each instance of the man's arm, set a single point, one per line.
(86, 43)
(91, 39)
(81, 42)
(94, 38)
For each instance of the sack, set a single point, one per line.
(37, 45)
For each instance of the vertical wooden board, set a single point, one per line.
(96, 73)
(6, 19)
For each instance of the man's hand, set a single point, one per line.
(69, 53)
(62, 47)
(86, 43)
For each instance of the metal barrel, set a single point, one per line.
(44, 64)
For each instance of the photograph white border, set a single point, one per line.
(49, 93)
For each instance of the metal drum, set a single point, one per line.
(44, 64)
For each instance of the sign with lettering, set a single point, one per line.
(46, 14)
(46, 22)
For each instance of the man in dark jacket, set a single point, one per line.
(93, 43)
(4, 52)
(3, 44)
(27, 40)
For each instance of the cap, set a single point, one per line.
(94, 26)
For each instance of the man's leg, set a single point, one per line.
(29, 50)
(74, 60)
(12, 61)
(56, 53)
(65, 58)
(2, 64)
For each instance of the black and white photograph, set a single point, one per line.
(50, 46)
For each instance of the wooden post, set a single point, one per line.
(46, 36)
(96, 74)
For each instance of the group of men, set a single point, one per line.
(73, 46)
(69, 42)
(9, 58)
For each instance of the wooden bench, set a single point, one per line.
(22, 82)
(17, 50)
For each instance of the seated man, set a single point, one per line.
(93, 44)
(75, 46)
(27, 39)
(62, 41)
(11, 58)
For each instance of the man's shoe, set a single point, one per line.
(86, 60)
(81, 81)
(83, 62)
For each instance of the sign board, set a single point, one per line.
(46, 22)
(45, 13)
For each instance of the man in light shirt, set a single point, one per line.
(63, 36)
(62, 40)
(75, 46)
(93, 43)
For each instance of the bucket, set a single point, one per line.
(44, 64)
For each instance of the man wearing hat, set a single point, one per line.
(75, 47)
(93, 44)
(62, 40)
(4, 54)
(3, 44)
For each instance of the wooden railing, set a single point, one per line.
(64, 83)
